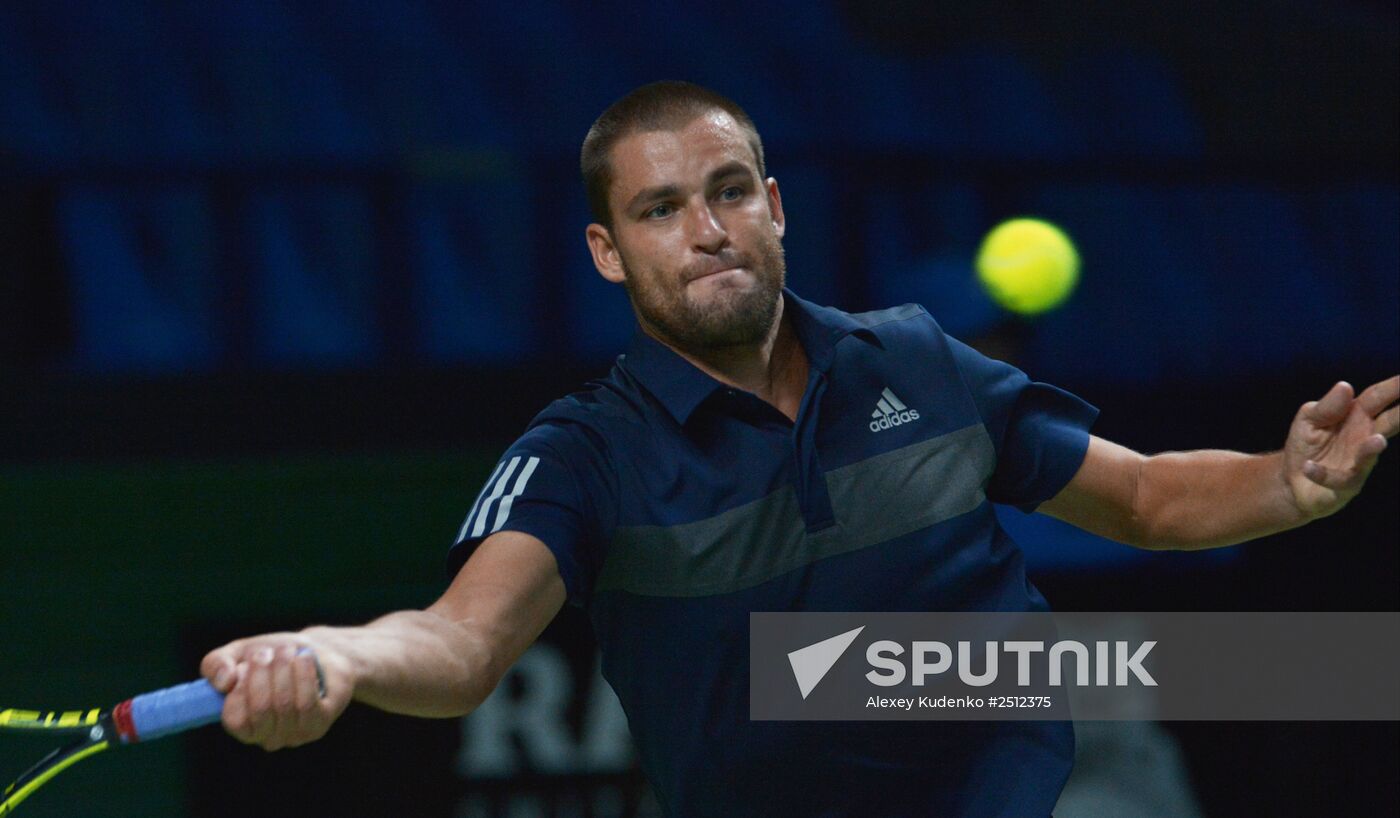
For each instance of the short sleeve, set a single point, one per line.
(1040, 432)
(544, 486)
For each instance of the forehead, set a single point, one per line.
(678, 157)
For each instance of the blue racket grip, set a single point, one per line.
(183, 707)
(175, 710)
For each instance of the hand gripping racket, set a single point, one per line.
(141, 718)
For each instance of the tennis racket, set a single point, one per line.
(141, 718)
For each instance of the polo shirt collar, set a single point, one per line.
(681, 387)
(820, 328)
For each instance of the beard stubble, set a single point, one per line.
(732, 318)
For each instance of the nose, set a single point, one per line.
(707, 233)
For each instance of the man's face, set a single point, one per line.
(696, 235)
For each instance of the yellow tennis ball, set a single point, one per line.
(1028, 266)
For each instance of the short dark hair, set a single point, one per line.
(658, 106)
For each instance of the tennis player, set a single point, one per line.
(756, 452)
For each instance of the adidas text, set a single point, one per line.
(907, 416)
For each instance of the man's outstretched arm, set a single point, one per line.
(1207, 499)
(443, 661)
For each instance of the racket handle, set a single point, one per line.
(183, 707)
(172, 710)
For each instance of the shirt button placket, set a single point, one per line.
(812, 495)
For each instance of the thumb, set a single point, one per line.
(219, 666)
(1333, 406)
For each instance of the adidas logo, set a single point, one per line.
(891, 411)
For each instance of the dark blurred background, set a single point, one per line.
(279, 280)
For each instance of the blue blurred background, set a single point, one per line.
(278, 280)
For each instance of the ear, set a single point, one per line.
(605, 255)
(775, 206)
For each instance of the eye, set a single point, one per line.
(661, 211)
(731, 194)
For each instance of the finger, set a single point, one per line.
(320, 671)
(1370, 448)
(306, 691)
(1377, 396)
(1388, 422)
(236, 716)
(1367, 455)
(1348, 479)
(308, 686)
(262, 718)
(1323, 476)
(284, 698)
(218, 666)
(1333, 406)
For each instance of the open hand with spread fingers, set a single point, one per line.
(1334, 443)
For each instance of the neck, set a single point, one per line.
(774, 368)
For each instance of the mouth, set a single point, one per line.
(713, 273)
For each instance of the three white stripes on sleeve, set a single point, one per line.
(495, 493)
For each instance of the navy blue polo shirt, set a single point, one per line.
(676, 505)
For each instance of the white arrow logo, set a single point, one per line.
(811, 663)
